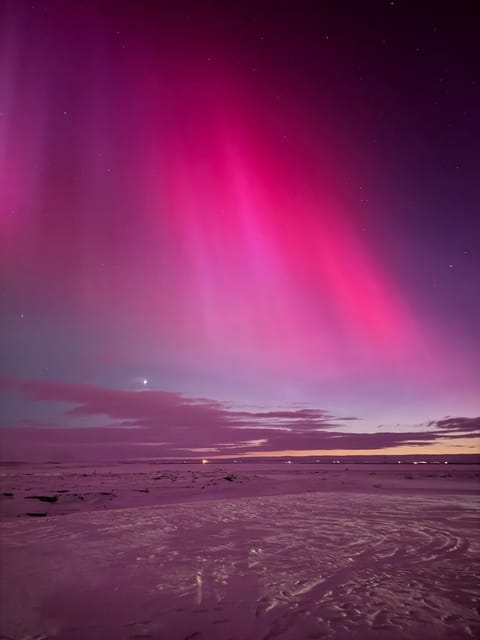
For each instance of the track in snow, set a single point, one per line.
(316, 565)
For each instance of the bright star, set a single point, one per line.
(145, 381)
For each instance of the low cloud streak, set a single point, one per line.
(167, 423)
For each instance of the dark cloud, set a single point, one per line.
(468, 426)
(153, 423)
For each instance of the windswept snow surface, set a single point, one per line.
(312, 564)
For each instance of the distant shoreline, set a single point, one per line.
(431, 459)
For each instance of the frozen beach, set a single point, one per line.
(240, 552)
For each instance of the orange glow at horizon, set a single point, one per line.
(442, 447)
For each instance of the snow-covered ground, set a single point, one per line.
(270, 553)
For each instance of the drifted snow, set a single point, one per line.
(316, 564)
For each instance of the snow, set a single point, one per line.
(274, 554)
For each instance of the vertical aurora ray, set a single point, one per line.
(268, 264)
(163, 209)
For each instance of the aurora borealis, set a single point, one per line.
(238, 229)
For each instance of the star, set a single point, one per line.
(145, 381)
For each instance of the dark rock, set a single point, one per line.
(42, 498)
(7, 494)
(36, 515)
(230, 478)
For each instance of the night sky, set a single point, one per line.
(234, 227)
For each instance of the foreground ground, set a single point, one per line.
(240, 552)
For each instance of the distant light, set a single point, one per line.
(445, 462)
(145, 381)
(399, 462)
(288, 462)
(204, 461)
